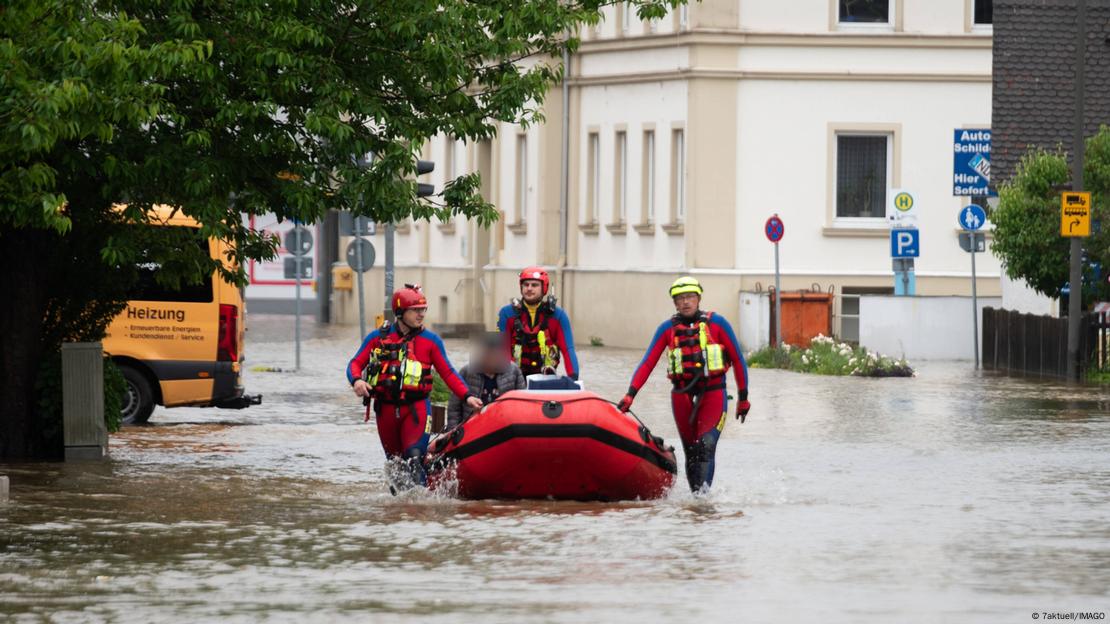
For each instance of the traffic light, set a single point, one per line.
(422, 167)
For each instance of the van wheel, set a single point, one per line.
(138, 401)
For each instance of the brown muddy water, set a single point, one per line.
(953, 496)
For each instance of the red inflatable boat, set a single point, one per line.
(552, 445)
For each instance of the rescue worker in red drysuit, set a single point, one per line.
(394, 368)
(536, 330)
(701, 348)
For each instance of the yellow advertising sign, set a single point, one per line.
(1075, 214)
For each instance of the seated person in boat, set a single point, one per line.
(489, 374)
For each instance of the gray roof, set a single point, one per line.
(1034, 77)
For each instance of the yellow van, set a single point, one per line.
(180, 347)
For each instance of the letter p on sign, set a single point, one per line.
(905, 243)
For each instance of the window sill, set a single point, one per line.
(645, 229)
(447, 228)
(520, 227)
(865, 27)
(588, 228)
(856, 232)
(402, 228)
(673, 229)
(617, 229)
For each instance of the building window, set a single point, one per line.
(648, 192)
(593, 190)
(683, 16)
(620, 178)
(984, 12)
(864, 11)
(626, 17)
(448, 159)
(862, 171)
(678, 174)
(521, 178)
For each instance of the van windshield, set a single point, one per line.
(148, 289)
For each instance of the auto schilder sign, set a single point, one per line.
(971, 163)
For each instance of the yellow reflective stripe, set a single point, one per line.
(547, 352)
(411, 372)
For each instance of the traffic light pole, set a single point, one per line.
(358, 269)
(1075, 284)
(389, 230)
(297, 322)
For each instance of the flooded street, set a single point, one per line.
(953, 496)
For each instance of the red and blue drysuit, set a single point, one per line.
(699, 399)
(523, 325)
(402, 412)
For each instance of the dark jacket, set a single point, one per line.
(459, 412)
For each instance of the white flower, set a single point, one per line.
(805, 359)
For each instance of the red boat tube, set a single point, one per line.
(553, 445)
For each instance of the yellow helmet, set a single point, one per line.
(685, 284)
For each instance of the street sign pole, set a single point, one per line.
(388, 312)
(297, 323)
(974, 300)
(778, 301)
(1075, 296)
(358, 269)
(971, 218)
(774, 229)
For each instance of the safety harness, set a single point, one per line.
(533, 350)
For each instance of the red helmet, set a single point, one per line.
(408, 297)
(536, 273)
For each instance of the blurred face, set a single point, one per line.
(492, 359)
(414, 317)
(687, 304)
(531, 290)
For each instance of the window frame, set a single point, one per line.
(648, 171)
(678, 175)
(593, 178)
(620, 177)
(521, 195)
(892, 18)
(891, 178)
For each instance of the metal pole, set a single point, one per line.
(974, 299)
(297, 323)
(778, 302)
(358, 276)
(905, 280)
(564, 177)
(388, 312)
(1075, 294)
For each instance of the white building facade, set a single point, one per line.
(687, 133)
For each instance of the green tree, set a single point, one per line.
(224, 109)
(1027, 220)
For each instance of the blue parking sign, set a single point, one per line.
(905, 243)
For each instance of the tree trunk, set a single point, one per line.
(25, 284)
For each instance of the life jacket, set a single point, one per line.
(534, 350)
(693, 351)
(394, 373)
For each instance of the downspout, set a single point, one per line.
(564, 177)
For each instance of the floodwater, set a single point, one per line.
(953, 496)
